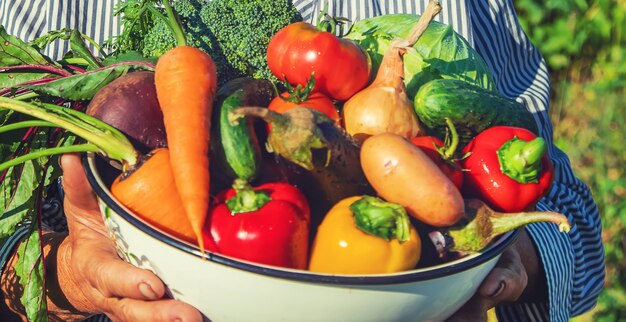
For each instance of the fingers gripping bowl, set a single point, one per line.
(227, 289)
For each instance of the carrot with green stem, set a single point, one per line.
(146, 185)
(186, 83)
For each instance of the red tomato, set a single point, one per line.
(315, 100)
(340, 66)
(427, 144)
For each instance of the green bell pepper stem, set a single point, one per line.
(246, 199)
(521, 160)
(451, 142)
(380, 218)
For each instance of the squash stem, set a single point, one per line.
(294, 134)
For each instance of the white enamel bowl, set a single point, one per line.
(226, 289)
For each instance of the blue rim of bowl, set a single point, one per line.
(416, 275)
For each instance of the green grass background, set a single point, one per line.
(584, 43)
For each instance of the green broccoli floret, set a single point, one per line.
(235, 33)
(244, 28)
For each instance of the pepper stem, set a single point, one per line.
(246, 199)
(380, 218)
(451, 143)
(521, 160)
(486, 224)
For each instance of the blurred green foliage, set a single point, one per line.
(584, 43)
(580, 39)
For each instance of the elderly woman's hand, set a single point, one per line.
(85, 276)
(517, 276)
(91, 275)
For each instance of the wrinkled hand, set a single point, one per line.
(92, 277)
(514, 277)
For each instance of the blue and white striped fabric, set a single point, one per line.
(29, 19)
(573, 263)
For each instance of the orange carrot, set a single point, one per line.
(186, 82)
(150, 192)
(146, 185)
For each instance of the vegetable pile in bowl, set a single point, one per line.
(381, 190)
(226, 288)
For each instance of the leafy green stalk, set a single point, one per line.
(79, 48)
(108, 139)
(102, 137)
(23, 124)
(49, 152)
(26, 74)
(65, 34)
(175, 24)
(15, 52)
(85, 85)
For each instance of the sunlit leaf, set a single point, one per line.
(439, 53)
(29, 269)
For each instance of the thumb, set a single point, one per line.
(80, 203)
(76, 188)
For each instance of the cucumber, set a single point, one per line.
(236, 147)
(471, 109)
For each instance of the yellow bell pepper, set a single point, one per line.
(365, 235)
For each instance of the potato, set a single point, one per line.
(401, 172)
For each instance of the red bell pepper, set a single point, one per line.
(443, 153)
(267, 224)
(507, 168)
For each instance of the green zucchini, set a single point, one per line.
(471, 109)
(236, 147)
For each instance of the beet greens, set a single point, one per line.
(29, 76)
